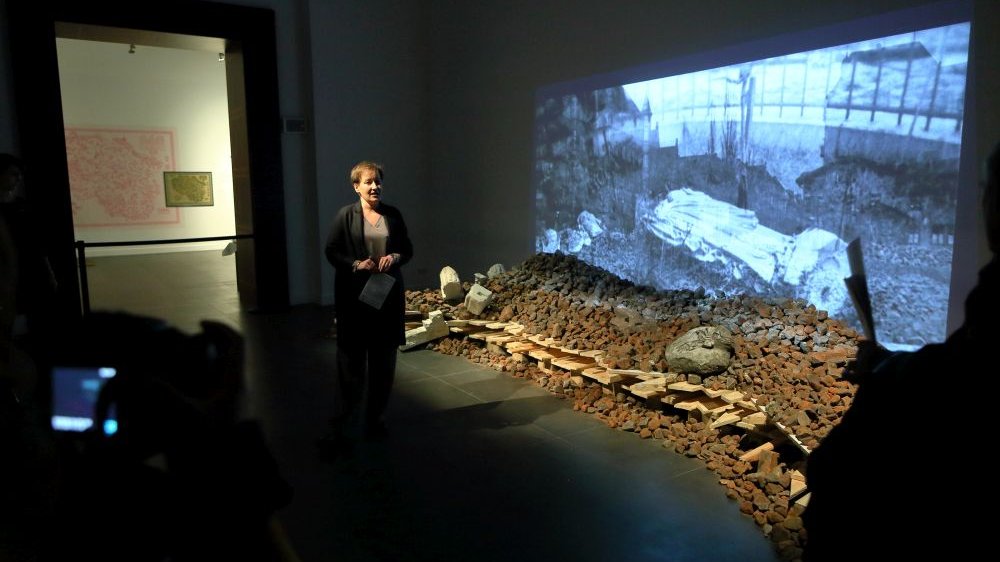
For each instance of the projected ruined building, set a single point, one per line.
(858, 140)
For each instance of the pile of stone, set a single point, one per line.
(786, 356)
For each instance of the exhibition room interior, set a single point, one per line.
(195, 164)
(778, 118)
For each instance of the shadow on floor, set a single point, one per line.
(478, 465)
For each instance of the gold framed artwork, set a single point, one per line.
(188, 189)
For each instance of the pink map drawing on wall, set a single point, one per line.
(116, 176)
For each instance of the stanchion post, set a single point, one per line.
(81, 261)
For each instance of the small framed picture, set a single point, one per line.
(188, 189)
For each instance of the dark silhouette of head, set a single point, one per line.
(991, 200)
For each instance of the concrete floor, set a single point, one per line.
(477, 465)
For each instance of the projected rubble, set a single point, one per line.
(752, 178)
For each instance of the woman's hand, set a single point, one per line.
(365, 265)
(385, 262)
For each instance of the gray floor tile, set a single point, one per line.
(429, 395)
(478, 465)
(491, 386)
(435, 364)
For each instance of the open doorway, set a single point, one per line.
(251, 75)
(148, 152)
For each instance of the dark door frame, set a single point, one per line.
(250, 33)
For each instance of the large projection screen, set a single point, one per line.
(748, 171)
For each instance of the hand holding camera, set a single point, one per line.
(178, 454)
(150, 388)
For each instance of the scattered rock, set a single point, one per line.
(783, 353)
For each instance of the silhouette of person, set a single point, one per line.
(8, 293)
(167, 471)
(10, 183)
(34, 283)
(27, 290)
(897, 478)
(367, 238)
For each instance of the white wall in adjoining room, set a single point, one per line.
(160, 89)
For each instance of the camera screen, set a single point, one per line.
(74, 396)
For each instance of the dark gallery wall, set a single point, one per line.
(370, 94)
(8, 119)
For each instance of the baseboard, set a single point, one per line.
(156, 249)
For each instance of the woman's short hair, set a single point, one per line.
(366, 165)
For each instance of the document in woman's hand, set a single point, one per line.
(376, 289)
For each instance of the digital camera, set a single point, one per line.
(138, 379)
(75, 393)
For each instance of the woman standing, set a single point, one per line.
(368, 241)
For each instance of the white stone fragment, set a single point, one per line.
(451, 286)
(478, 299)
(433, 327)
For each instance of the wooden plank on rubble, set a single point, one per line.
(463, 327)
(798, 492)
(792, 437)
(753, 454)
(542, 339)
(753, 421)
(573, 364)
(704, 405)
(601, 375)
(501, 338)
(482, 335)
(521, 346)
(641, 375)
(651, 388)
(544, 354)
(725, 419)
(685, 386)
(672, 397)
(537, 338)
(731, 396)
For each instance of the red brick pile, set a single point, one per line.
(787, 356)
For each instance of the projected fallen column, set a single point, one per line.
(715, 231)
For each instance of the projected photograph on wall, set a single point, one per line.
(752, 178)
